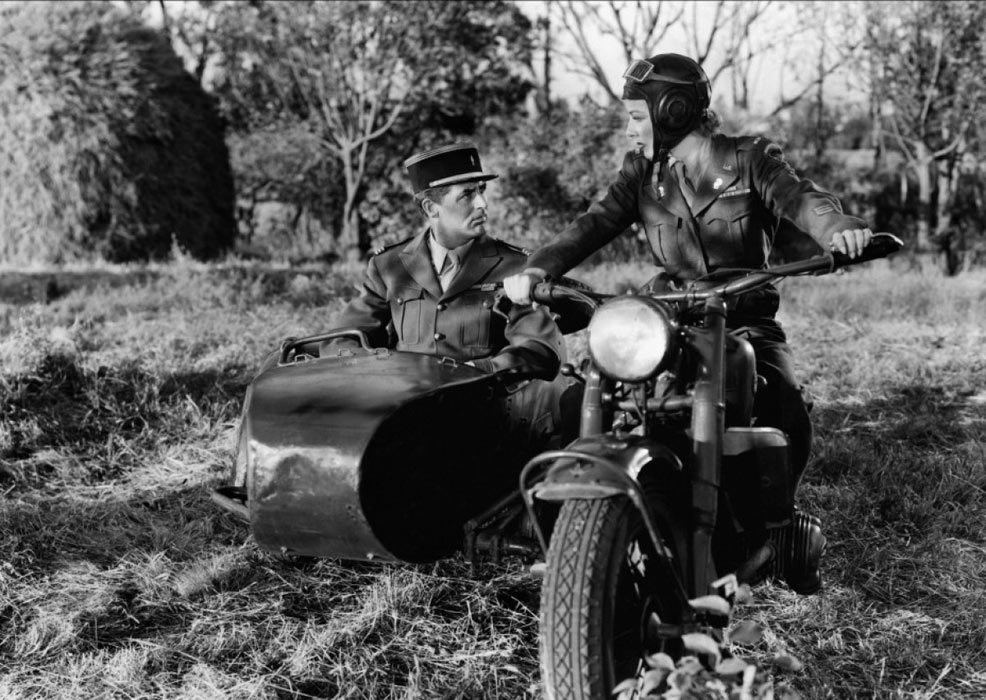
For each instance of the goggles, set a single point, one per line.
(641, 71)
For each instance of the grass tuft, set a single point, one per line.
(120, 578)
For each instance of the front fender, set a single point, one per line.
(601, 466)
(595, 467)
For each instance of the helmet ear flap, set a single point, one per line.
(676, 110)
(675, 113)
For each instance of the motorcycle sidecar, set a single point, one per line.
(379, 454)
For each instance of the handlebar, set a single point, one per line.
(880, 246)
(548, 293)
(293, 343)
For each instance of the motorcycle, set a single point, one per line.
(666, 500)
(671, 497)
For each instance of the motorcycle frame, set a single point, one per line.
(708, 428)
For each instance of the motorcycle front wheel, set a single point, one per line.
(603, 583)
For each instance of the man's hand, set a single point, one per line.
(518, 287)
(851, 241)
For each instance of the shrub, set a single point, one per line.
(284, 168)
(108, 148)
(552, 169)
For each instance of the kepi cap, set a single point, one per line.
(445, 166)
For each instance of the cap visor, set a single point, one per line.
(462, 177)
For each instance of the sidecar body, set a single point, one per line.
(380, 455)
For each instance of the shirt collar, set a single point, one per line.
(438, 251)
(704, 154)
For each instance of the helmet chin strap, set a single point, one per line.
(661, 159)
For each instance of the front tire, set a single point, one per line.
(603, 582)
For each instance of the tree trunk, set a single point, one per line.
(876, 119)
(546, 82)
(820, 135)
(350, 244)
(923, 164)
(944, 235)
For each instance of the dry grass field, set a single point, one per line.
(120, 579)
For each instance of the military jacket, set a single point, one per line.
(402, 306)
(737, 206)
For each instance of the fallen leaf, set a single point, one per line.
(690, 665)
(786, 662)
(625, 689)
(702, 644)
(711, 603)
(660, 660)
(652, 680)
(745, 632)
(744, 594)
(731, 667)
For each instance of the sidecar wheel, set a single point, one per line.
(602, 585)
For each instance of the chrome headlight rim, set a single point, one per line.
(632, 338)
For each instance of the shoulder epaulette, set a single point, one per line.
(760, 143)
(511, 246)
(749, 143)
(381, 248)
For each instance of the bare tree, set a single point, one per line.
(928, 63)
(355, 89)
(638, 27)
(725, 38)
(822, 40)
(339, 66)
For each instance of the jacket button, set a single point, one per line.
(400, 300)
(439, 336)
(441, 307)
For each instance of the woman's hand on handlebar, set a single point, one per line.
(851, 241)
(518, 287)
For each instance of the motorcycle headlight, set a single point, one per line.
(630, 337)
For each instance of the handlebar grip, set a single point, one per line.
(290, 344)
(543, 293)
(881, 245)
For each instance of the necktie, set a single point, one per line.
(450, 268)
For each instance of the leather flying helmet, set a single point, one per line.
(677, 92)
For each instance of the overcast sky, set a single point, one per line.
(770, 78)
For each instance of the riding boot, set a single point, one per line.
(808, 543)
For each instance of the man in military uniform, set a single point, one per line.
(707, 202)
(437, 293)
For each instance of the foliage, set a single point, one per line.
(843, 127)
(709, 669)
(927, 60)
(107, 146)
(370, 82)
(284, 166)
(553, 169)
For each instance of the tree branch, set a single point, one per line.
(902, 142)
(573, 21)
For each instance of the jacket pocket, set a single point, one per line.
(476, 314)
(728, 227)
(663, 243)
(673, 246)
(407, 313)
